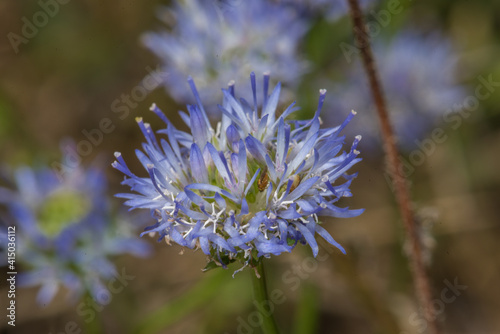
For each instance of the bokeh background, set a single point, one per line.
(65, 79)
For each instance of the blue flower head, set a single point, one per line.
(331, 10)
(252, 186)
(418, 77)
(64, 231)
(224, 40)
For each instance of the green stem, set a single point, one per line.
(262, 299)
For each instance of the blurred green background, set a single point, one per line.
(64, 80)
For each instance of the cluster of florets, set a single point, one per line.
(65, 233)
(418, 74)
(225, 40)
(253, 186)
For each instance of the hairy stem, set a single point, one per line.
(420, 278)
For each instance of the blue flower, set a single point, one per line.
(332, 10)
(222, 41)
(418, 80)
(65, 233)
(252, 186)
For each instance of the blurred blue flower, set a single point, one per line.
(417, 74)
(253, 186)
(329, 9)
(65, 232)
(222, 41)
